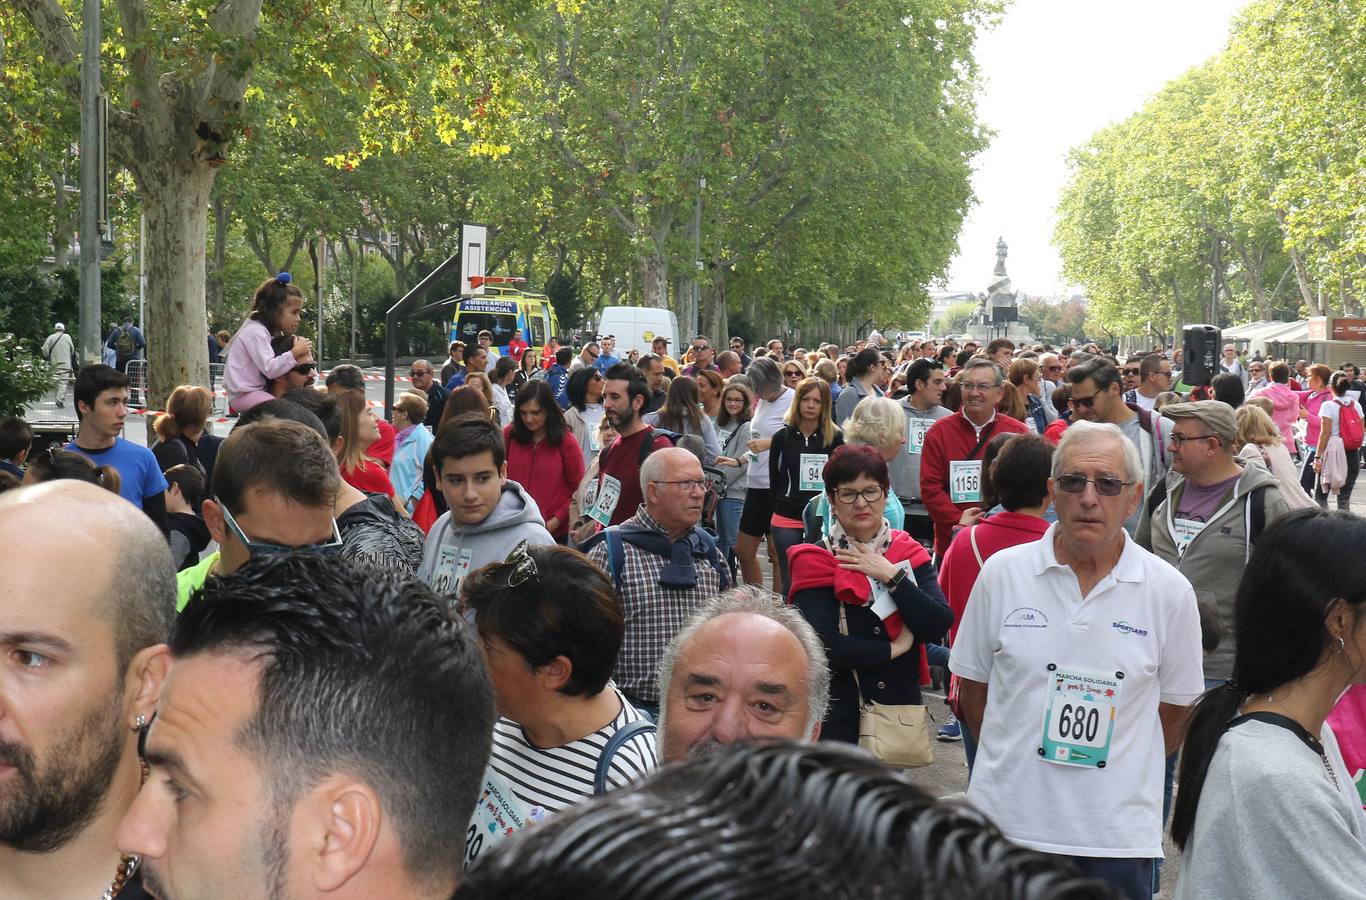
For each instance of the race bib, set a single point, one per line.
(452, 565)
(965, 481)
(594, 440)
(1183, 532)
(605, 503)
(1079, 716)
(497, 815)
(916, 430)
(883, 604)
(811, 465)
(590, 495)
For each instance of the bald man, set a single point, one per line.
(86, 599)
(746, 666)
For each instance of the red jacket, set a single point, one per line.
(550, 474)
(958, 569)
(952, 438)
(1053, 433)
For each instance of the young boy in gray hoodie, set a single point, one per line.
(489, 515)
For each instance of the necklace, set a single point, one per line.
(128, 864)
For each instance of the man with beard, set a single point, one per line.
(745, 666)
(84, 660)
(323, 731)
(618, 493)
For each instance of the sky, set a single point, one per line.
(1054, 72)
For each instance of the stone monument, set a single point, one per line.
(998, 313)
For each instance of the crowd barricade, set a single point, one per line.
(137, 382)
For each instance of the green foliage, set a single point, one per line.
(565, 292)
(954, 320)
(23, 375)
(1056, 323)
(1240, 180)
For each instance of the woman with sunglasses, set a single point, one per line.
(864, 373)
(870, 592)
(543, 456)
(412, 440)
(584, 390)
(550, 626)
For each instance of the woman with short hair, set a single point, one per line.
(551, 626)
(709, 384)
(862, 375)
(1265, 805)
(411, 442)
(874, 653)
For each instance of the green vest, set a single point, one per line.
(192, 579)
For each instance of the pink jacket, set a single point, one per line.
(1312, 401)
(251, 362)
(1285, 404)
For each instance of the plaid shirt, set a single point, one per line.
(654, 613)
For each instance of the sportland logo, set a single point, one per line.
(1126, 628)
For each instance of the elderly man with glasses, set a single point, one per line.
(663, 564)
(951, 459)
(1077, 687)
(423, 375)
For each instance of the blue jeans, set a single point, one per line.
(728, 523)
(1133, 878)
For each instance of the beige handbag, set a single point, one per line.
(897, 735)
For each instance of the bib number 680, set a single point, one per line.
(1079, 723)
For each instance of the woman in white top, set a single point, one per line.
(1259, 439)
(1335, 465)
(757, 516)
(584, 390)
(1266, 807)
(504, 370)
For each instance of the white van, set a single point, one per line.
(636, 327)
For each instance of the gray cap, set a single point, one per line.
(1216, 415)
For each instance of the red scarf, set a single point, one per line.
(813, 566)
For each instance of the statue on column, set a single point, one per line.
(1001, 250)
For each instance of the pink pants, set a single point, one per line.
(244, 402)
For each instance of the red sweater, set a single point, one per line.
(369, 477)
(958, 569)
(952, 438)
(383, 448)
(550, 474)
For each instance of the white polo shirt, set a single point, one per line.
(1054, 771)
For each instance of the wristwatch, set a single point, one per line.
(896, 579)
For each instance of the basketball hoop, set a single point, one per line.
(481, 280)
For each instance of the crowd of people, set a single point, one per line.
(328, 654)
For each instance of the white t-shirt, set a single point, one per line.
(548, 781)
(768, 418)
(1331, 410)
(1025, 614)
(1144, 402)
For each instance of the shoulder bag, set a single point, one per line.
(897, 735)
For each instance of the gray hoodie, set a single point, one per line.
(516, 518)
(905, 466)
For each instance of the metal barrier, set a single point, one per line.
(137, 382)
(220, 394)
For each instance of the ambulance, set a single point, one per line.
(501, 311)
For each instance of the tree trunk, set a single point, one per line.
(654, 279)
(1306, 286)
(177, 209)
(214, 282)
(715, 322)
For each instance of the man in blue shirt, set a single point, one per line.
(101, 406)
(606, 359)
(559, 376)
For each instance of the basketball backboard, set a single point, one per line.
(473, 249)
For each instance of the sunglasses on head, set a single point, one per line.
(1106, 485)
(259, 548)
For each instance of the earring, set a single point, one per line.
(140, 723)
(1342, 645)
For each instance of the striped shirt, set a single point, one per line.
(557, 778)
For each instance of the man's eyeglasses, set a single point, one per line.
(420, 373)
(1106, 485)
(688, 485)
(978, 387)
(1083, 402)
(305, 368)
(258, 548)
(1179, 439)
(1133, 372)
(1053, 368)
(849, 496)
